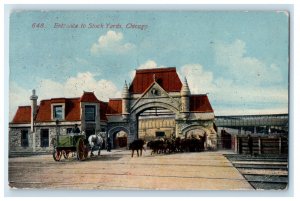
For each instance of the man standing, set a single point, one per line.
(250, 144)
(108, 144)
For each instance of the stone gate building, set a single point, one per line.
(162, 89)
(155, 104)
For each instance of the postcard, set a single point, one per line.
(148, 100)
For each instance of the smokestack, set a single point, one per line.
(33, 99)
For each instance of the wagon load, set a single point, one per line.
(66, 144)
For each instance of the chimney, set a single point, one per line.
(33, 99)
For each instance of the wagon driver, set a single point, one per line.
(76, 130)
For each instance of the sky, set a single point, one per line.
(240, 59)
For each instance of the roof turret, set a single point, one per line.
(185, 90)
(125, 92)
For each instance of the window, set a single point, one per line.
(24, 138)
(160, 134)
(44, 138)
(90, 113)
(57, 112)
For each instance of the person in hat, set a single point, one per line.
(76, 130)
(108, 144)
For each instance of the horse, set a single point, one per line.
(95, 142)
(137, 145)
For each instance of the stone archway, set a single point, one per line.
(197, 132)
(142, 107)
(202, 131)
(118, 136)
(209, 134)
(153, 105)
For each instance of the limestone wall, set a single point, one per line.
(34, 138)
(15, 140)
(149, 127)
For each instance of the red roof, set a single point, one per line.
(58, 100)
(44, 113)
(72, 109)
(89, 97)
(23, 115)
(103, 110)
(167, 78)
(114, 106)
(200, 103)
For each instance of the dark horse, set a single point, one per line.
(137, 145)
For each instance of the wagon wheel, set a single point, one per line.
(80, 147)
(65, 154)
(56, 155)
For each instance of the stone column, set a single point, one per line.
(235, 144)
(176, 129)
(279, 139)
(125, 101)
(133, 129)
(259, 145)
(185, 99)
(33, 141)
(33, 99)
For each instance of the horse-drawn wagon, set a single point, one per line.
(72, 143)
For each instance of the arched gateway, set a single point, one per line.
(156, 99)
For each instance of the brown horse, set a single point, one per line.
(137, 145)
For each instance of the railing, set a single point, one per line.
(253, 120)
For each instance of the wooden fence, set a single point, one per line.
(263, 145)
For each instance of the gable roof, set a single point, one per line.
(200, 103)
(72, 109)
(114, 106)
(167, 78)
(89, 97)
(23, 115)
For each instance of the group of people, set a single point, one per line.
(76, 130)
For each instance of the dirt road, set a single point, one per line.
(117, 170)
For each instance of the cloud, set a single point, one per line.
(111, 42)
(244, 69)
(18, 96)
(72, 87)
(225, 91)
(227, 97)
(199, 80)
(147, 65)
